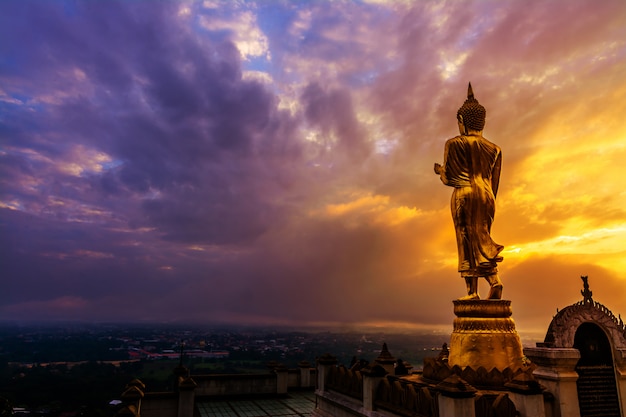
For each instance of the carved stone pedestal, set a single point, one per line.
(484, 335)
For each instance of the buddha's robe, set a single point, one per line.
(472, 166)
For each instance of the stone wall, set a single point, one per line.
(249, 384)
(181, 403)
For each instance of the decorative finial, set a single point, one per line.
(470, 92)
(585, 292)
(385, 355)
(384, 350)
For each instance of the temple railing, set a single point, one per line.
(405, 398)
(408, 398)
(345, 381)
(440, 390)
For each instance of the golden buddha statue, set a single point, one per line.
(472, 166)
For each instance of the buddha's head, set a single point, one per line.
(471, 115)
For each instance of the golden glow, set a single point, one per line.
(596, 243)
(377, 208)
(369, 201)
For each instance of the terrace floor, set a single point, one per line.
(296, 404)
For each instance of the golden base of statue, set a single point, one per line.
(484, 335)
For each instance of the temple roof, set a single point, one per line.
(564, 324)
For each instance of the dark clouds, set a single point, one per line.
(333, 114)
(171, 111)
(191, 148)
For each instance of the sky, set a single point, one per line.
(271, 162)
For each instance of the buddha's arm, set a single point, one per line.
(495, 175)
(441, 169)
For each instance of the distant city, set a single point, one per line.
(28, 344)
(80, 369)
(74, 369)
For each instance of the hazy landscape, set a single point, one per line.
(79, 368)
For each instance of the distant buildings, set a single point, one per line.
(137, 353)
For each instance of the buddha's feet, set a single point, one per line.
(473, 296)
(495, 293)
